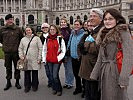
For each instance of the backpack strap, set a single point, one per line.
(60, 39)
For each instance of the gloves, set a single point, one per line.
(90, 39)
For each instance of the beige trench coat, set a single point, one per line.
(34, 51)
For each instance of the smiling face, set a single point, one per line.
(109, 21)
(63, 23)
(10, 21)
(53, 30)
(28, 31)
(77, 25)
(95, 19)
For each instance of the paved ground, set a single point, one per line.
(43, 93)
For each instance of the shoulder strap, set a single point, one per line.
(60, 39)
(29, 45)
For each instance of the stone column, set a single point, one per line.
(6, 6)
(14, 6)
(21, 2)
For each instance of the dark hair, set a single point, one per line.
(78, 20)
(33, 31)
(8, 16)
(116, 14)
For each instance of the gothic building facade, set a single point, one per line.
(39, 11)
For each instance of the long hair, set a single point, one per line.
(57, 29)
(116, 14)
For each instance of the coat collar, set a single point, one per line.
(113, 35)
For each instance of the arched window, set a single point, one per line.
(2, 22)
(30, 19)
(17, 21)
(46, 18)
(85, 17)
(78, 17)
(71, 20)
(131, 20)
(57, 20)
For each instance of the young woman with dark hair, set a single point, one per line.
(113, 84)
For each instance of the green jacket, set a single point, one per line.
(10, 37)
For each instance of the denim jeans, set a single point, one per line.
(69, 77)
(48, 74)
(54, 72)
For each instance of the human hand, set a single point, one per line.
(123, 87)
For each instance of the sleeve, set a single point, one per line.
(21, 49)
(63, 51)
(69, 42)
(40, 49)
(97, 68)
(127, 63)
(81, 45)
(1, 36)
(44, 51)
(21, 35)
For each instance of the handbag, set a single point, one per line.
(119, 58)
(22, 63)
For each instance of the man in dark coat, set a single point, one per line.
(89, 57)
(10, 36)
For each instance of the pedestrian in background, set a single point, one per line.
(10, 36)
(85, 26)
(113, 84)
(54, 50)
(74, 39)
(83, 52)
(69, 77)
(33, 57)
(43, 37)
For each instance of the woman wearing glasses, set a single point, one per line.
(113, 84)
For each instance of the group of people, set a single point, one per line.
(88, 53)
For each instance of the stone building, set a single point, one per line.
(39, 11)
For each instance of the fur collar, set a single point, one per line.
(113, 35)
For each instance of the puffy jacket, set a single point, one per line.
(10, 37)
(52, 52)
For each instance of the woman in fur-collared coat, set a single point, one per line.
(113, 84)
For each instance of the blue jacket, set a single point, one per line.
(73, 42)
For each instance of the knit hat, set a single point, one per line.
(98, 11)
(8, 16)
(45, 25)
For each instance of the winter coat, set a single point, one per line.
(106, 70)
(65, 31)
(73, 43)
(43, 37)
(60, 50)
(89, 53)
(34, 51)
(10, 37)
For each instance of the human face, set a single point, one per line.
(85, 25)
(109, 21)
(45, 29)
(28, 31)
(89, 26)
(53, 30)
(95, 19)
(63, 23)
(10, 21)
(77, 26)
